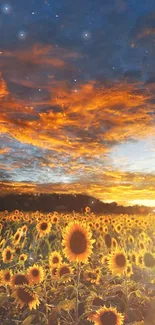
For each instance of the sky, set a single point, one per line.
(77, 103)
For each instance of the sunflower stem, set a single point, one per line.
(77, 294)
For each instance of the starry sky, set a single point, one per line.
(77, 103)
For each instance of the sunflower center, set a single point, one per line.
(55, 259)
(43, 226)
(7, 276)
(78, 242)
(35, 272)
(8, 255)
(24, 296)
(20, 279)
(17, 237)
(54, 271)
(120, 260)
(108, 317)
(64, 270)
(97, 301)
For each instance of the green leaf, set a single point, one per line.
(28, 320)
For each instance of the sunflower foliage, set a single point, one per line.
(81, 269)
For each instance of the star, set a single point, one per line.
(22, 35)
(6, 9)
(86, 35)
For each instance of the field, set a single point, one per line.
(76, 269)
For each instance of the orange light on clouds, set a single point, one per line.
(78, 130)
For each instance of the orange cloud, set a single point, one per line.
(40, 55)
(78, 129)
(146, 32)
(4, 150)
(3, 88)
(88, 122)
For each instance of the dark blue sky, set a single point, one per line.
(77, 97)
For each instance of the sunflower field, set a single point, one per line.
(76, 269)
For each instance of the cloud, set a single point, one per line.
(3, 88)
(84, 123)
(64, 137)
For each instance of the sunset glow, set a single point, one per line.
(67, 128)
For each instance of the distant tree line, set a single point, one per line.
(65, 203)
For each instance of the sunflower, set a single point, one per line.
(98, 270)
(35, 274)
(108, 316)
(24, 229)
(114, 243)
(16, 238)
(92, 277)
(14, 217)
(104, 260)
(117, 262)
(22, 258)
(64, 270)
(77, 242)
(54, 272)
(43, 228)
(118, 228)
(129, 270)
(55, 258)
(26, 296)
(131, 239)
(55, 218)
(7, 255)
(95, 300)
(97, 225)
(141, 245)
(87, 209)
(105, 229)
(19, 279)
(6, 277)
